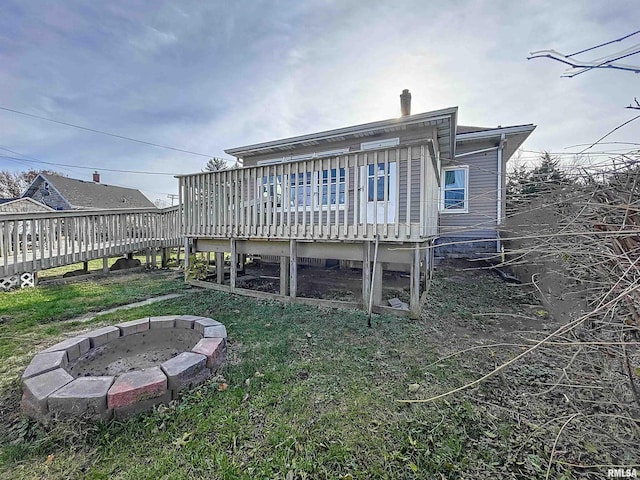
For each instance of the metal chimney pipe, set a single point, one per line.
(405, 103)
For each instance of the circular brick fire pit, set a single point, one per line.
(124, 369)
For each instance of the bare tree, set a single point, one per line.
(14, 184)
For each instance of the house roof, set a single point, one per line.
(445, 120)
(84, 194)
(473, 133)
(514, 136)
(28, 203)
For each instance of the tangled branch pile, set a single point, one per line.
(575, 233)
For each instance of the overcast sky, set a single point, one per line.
(205, 76)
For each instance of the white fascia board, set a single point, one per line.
(495, 132)
(446, 113)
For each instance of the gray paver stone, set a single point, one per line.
(75, 347)
(167, 321)
(126, 412)
(136, 386)
(213, 349)
(83, 396)
(101, 336)
(133, 327)
(185, 370)
(45, 362)
(37, 389)
(186, 321)
(200, 325)
(216, 331)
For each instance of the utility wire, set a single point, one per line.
(604, 44)
(606, 135)
(106, 133)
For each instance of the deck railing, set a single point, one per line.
(391, 193)
(37, 240)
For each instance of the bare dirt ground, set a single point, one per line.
(134, 352)
(329, 283)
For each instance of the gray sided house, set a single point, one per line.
(63, 193)
(22, 205)
(379, 195)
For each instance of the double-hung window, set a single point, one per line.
(455, 190)
(332, 186)
(377, 178)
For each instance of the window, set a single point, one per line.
(455, 190)
(272, 189)
(332, 183)
(387, 142)
(301, 189)
(321, 189)
(376, 174)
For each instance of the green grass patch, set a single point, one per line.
(97, 264)
(311, 393)
(31, 317)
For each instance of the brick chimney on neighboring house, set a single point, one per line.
(96, 177)
(405, 103)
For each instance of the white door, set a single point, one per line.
(376, 183)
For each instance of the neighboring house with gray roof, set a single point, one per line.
(63, 193)
(22, 205)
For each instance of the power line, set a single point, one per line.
(606, 135)
(35, 160)
(577, 66)
(604, 44)
(105, 133)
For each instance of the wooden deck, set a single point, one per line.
(30, 242)
(389, 193)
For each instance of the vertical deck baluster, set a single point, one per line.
(397, 199)
(422, 192)
(408, 213)
(385, 226)
(336, 161)
(306, 201)
(357, 195)
(344, 161)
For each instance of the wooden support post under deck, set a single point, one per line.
(164, 257)
(147, 254)
(154, 252)
(414, 299)
(186, 254)
(293, 268)
(105, 264)
(366, 274)
(377, 284)
(284, 276)
(234, 265)
(85, 266)
(220, 268)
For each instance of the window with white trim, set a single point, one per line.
(324, 189)
(377, 174)
(455, 190)
(332, 186)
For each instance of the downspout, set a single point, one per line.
(499, 206)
